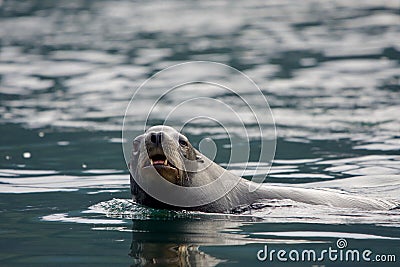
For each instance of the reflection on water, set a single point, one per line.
(177, 242)
(170, 255)
(330, 71)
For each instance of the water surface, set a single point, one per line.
(68, 69)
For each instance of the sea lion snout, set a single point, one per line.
(153, 142)
(155, 138)
(158, 143)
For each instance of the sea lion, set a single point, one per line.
(167, 172)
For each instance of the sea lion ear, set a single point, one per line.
(199, 158)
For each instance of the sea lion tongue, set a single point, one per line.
(160, 162)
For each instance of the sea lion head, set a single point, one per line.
(168, 172)
(166, 150)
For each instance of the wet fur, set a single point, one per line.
(240, 194)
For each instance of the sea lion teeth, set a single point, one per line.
(166, 162)
(151, 162)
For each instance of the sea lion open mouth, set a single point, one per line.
(163, 166)
(160, 161)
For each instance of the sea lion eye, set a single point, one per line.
(182, 142)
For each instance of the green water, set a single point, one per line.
(68, 69)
